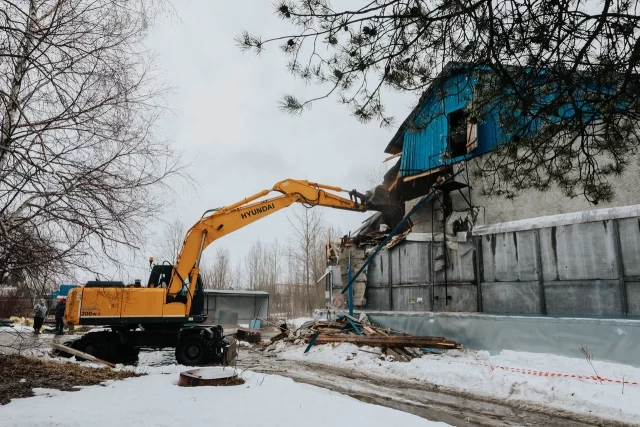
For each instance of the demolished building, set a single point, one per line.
(541, 253)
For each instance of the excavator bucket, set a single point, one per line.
(379, 199)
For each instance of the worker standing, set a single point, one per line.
(39, 313)
(60, 307)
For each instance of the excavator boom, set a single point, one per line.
(244, 212)
(171, 288)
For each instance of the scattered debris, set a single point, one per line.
(20, 374)
(346, 329)
(250, 336)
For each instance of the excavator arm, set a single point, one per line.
(230, 218)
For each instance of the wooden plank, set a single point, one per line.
(369, 351)
(81, 354)
(427, 173)
(386, 341)
(394, 184)
(392, 157)
(472, 137)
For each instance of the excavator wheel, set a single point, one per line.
(193, 350)
(97, 344)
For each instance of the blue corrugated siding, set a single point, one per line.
(423, 150)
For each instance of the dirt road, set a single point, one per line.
(419, 398)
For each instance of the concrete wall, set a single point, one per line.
(586, 268)
(529, 204)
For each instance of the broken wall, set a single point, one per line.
(585, 264)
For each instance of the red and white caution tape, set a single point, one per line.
(555, 375)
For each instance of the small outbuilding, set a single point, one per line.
(248, 304)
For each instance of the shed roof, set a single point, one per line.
(235, 292)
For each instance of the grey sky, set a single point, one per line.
(228, 122)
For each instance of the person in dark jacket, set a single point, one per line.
(39, 313)
(62, 304)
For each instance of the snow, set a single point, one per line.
(480, 373)
(16, 329)
(157, 400)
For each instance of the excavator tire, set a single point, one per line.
(194, 350)
(97, 344)
(106, 345)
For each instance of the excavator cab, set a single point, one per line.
(161, 275)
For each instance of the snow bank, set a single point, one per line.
(156, 400)
(481, 373)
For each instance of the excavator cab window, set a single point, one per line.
(197, 305)
(160, 274)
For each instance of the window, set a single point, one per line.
(457, 141)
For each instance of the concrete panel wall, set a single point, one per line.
(377, 298)
(582, 269)
(510, 257)
(464, 298)
(511, 297)
(593, 298)
(412, 298)
(630, 245)
(633, 298)
(579, 251)
(460, 261)
(411, 263)
(378, 270)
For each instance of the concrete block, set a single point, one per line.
(629, 229)
(410, 263)
(412, 298)
(510, 257)
(511, 298)
(378, 270)
(583, 298)
(377, 298)
(464, 298)
(633, 298)
(578, 252)
(461, 257)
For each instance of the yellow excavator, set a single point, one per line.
(169, 311)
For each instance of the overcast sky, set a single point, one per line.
(227, 121)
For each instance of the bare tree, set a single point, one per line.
(261, 265)
(172, 240)
(561, 77)
(307, 243)
(81, 171)
(218, 274)
(253, 265)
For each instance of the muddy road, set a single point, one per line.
(418, 398)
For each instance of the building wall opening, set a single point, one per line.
(457, 141)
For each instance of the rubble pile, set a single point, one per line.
(345, 329)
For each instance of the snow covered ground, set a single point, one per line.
(486, 375)
(21, 339)
(157, 400)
